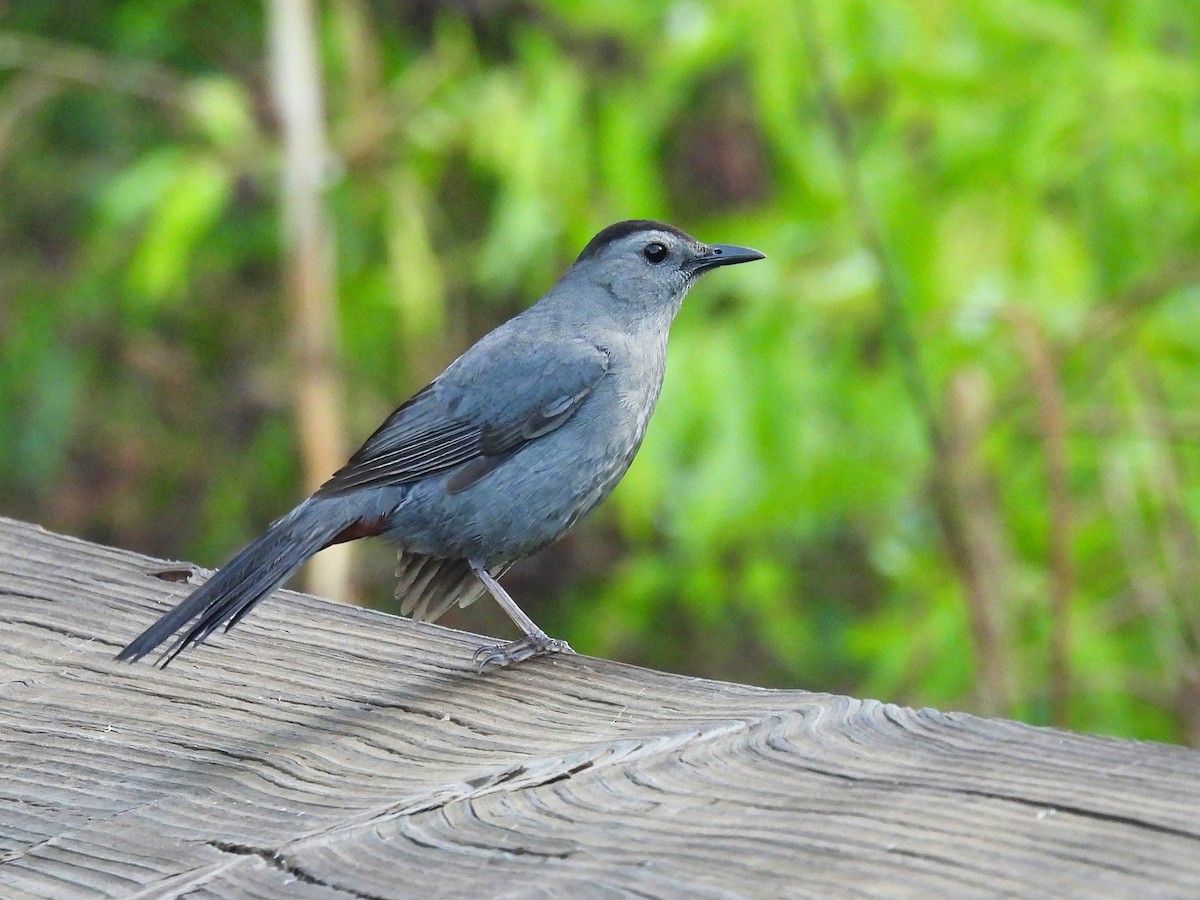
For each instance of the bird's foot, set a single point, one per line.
(535, 644)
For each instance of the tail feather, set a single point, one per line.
(427, 586)
(235, 589)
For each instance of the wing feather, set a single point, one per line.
(440, 429)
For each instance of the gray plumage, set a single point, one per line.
(513, 443)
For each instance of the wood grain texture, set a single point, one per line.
(325, 751)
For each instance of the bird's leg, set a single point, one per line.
(534, 643)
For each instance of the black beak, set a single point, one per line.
(721, 255)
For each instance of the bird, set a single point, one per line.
(504, 451)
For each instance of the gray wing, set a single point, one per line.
(501, 394)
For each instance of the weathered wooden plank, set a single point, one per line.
(326, 751)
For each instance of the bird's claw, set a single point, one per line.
(518, 650)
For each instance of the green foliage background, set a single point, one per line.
(959, 396)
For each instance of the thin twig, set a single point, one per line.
(968, 413)
(80, 65)
(24, 96)
(1108, 330)
(1181, 547)
(1052, 417)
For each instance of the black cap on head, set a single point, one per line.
(621, 229)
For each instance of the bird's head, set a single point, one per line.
(651, 264)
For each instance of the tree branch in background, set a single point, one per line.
(1180, 549)
(1109, 329)
(973, 571)
(309, 255)
(1052, 420)
(1152, 587)
(970, 487)
(25, 94)
(79, 65)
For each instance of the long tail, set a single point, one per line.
(258, 569)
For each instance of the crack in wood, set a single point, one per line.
(54, 627)
(1094, 814)
(1041, 805)
(277, 860)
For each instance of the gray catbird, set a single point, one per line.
(517, 440)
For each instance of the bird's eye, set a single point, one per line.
(655, 252)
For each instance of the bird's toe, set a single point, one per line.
(519, 650)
